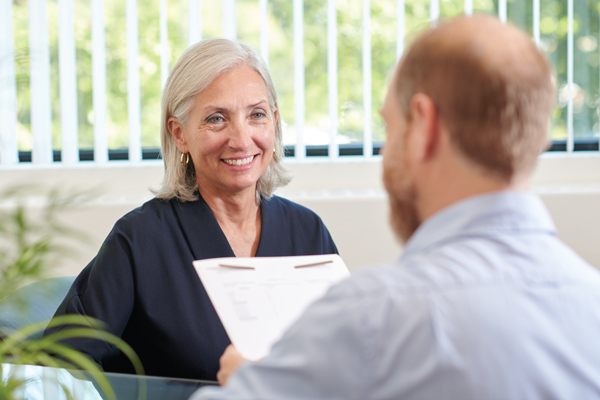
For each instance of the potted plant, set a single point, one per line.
(31, 240)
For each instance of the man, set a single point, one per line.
(485, 302)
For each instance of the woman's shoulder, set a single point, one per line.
(306, 232)
(153, 212)
(149, 209)
(290, 208)
(290, 213)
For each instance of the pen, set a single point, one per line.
(313, 264)
(235, 266)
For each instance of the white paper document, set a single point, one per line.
(258, 298)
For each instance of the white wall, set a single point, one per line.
(347, 193)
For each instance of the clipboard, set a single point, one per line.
(258, 298)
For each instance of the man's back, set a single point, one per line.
(495, 304)
(486, 302)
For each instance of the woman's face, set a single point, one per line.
(229, 132)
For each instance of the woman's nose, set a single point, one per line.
(240, 135)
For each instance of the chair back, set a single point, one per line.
(35, 302)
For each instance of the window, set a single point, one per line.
(81, 80)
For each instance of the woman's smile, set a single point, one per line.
(239, 161)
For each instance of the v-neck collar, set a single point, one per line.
(203, 233)
(265, 211)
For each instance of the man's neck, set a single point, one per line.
(443, 190)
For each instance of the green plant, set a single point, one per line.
(33, 237)
(29, 239)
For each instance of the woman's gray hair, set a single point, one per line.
(197, 68)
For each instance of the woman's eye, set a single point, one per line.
(215, 119)
(259, 114)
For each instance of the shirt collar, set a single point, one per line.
(480, 215)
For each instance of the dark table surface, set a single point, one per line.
(50, 383)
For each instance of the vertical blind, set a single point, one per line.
(41, 86)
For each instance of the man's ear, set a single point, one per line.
(175, 128)
(425, 124)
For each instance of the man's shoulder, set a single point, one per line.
(383, 281)
(373, 302)
(423, 277)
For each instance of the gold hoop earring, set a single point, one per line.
(184, 159)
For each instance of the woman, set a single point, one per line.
(222, 148)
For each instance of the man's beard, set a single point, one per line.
(402, 198)
(404, 216)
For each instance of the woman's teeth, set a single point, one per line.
(239, 161)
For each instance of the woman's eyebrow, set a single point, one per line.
(213, 108)
(216, 108)
(257, 104)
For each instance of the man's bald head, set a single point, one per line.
(492, 88)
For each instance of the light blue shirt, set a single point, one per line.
(485, 303)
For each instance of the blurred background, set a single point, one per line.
(295, 38)
(81, 81)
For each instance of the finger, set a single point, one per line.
(221, 378)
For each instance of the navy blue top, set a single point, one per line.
(143, 285)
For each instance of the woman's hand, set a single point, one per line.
(230, 361)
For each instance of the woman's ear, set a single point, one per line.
(175, 128)
(275, 116)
